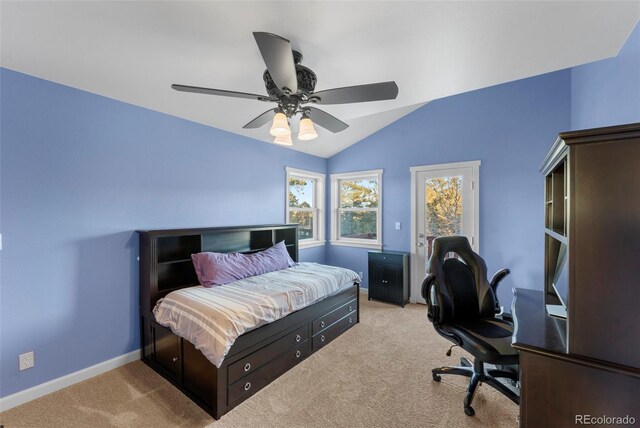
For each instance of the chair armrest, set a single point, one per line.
(432, 307)
(495, 281)
(499, 276)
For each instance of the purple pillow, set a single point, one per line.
(219, 268)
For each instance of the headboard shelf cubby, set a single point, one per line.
(165, 254)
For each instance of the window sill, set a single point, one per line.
(369, 245)
(310, 244)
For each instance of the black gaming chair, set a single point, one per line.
(463, 308)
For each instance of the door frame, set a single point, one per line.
(417, 274)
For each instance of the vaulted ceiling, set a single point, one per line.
(133, 51)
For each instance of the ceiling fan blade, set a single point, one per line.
(357, 94)
(327, 121)
(278, 56)
(261, 120)
(209, 91)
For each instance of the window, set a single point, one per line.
(305, 205)
(357, 208)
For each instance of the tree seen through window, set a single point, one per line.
(358, 208)
(301, 205)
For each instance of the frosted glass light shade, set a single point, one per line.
(307, 132)
(283, 140)
(280, 125)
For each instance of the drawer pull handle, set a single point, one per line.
(322, 338)
(297, 354)
(247, 367)
(321, 324)
(298, 338)
(247, 386)
(350, 320)
(350, 308)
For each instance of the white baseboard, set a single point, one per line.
(54, 385)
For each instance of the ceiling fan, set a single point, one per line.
(291, 86)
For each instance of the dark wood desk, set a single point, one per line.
(556, 387)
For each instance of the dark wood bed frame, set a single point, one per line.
(257, 357)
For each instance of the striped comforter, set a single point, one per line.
(213, 318)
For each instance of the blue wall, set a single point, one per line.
(510, 128)
(607, 92)
(80, 173)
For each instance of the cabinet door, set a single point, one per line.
(167, 350)
(377, 287)
(393, 274)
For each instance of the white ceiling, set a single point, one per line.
(133, 51)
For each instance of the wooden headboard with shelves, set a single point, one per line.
(165, 254)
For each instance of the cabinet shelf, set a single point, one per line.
(557, 235)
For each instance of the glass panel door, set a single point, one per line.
(444, 207)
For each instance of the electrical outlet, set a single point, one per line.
(26, 361)
(361, 274)
(398, 225)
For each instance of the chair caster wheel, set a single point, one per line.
(468, 410)
(436, 377)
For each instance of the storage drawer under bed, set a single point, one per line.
(254, 361)
(333, 316)
(331, 332)
(262, 376)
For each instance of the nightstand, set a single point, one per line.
(389, 276)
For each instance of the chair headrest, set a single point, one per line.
(452, 244)
(461, 247)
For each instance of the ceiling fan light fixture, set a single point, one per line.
(307, 131)
(291, 86)
(283, 140)
(280, 125)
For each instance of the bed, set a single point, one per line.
(256, 357)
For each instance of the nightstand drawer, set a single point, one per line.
(386, 258)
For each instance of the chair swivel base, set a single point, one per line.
(478, 374)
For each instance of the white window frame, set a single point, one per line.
(318, 205)
(335, 211)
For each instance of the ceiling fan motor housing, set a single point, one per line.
(306, 80)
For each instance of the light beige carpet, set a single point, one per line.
(378, 374)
